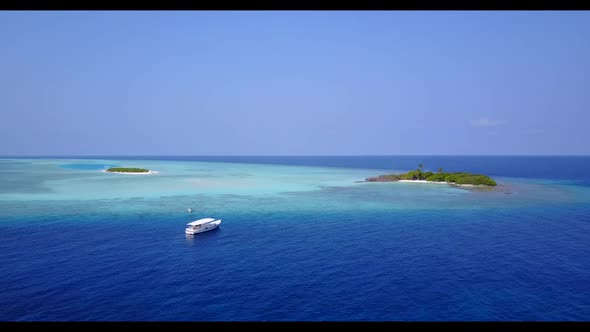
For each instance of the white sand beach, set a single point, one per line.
(438, 182)
(133, 173)
(422, 181)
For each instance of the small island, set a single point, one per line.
(129, 170)
(455, 178)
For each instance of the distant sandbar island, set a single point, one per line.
(129, 170)
(419, 176)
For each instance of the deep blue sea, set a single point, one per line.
(301, 239)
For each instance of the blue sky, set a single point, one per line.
(294, 83)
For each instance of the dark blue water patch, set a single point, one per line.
(423, 266)
(87, 167)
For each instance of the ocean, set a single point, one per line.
(302, 238)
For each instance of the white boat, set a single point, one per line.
(202, 225)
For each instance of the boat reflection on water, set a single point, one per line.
(194, 239)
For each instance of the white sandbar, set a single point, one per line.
(133, 173)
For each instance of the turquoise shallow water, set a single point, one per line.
(297, 242)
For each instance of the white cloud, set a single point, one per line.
(486, 122)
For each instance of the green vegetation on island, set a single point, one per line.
(127, 170)
(440, 176)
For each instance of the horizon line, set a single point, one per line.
(302, 155)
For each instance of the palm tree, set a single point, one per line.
(420, 168)
(440, 170)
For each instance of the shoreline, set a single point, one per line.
(435, 182)
(133, 173)
(442, 182)
(466, 186)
